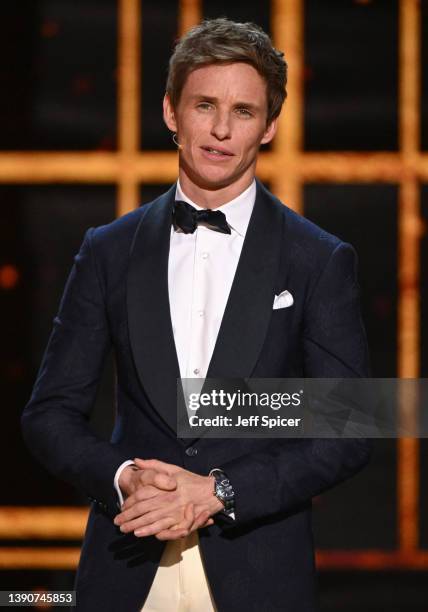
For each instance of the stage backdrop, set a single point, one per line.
(82, 141)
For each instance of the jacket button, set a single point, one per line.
(191, 451)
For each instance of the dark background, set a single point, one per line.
(58, 78)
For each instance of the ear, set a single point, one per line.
(168, 114)
(270, 131)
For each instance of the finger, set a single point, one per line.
(155, 478)
(146, 492)
(134, 504)
(158, 479)
(156, 527)
(180, 530)
(134, 508)
(171, 534)
(189, 516)
(200, 520)
(136, 519)
(130, 502)
(174, 534)
(155, 464)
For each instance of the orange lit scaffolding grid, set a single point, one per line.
(287, 167)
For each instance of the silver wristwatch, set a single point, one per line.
(223, 490)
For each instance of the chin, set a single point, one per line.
(209, 177)
(212, 180)
(217, 181)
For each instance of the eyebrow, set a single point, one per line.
(248, 105)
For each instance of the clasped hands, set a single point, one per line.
(165, 500)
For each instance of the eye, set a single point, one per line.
(204, 105)
(244, 112)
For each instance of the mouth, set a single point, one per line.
(217, 151)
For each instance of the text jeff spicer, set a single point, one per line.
(252, 421)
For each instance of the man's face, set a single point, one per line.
(220, 122)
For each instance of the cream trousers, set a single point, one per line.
(180, 584)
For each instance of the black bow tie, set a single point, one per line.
(186, 217)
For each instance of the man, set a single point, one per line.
(178, 292)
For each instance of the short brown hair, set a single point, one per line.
(222, 41)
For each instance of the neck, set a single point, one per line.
(213, 196)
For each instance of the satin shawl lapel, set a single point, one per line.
(149, 318)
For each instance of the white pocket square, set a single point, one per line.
(283, 300)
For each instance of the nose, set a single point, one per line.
(221, 126)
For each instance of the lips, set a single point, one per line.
(220, 151)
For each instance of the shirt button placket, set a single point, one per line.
(195, 348)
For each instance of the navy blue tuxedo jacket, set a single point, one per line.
(117, 297)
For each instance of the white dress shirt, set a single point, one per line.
(201, 269)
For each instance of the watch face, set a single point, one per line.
(224, 490)
(229, 496)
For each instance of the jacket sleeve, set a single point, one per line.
(55, 421)
(285, 476)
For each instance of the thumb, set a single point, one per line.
(163, 481)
